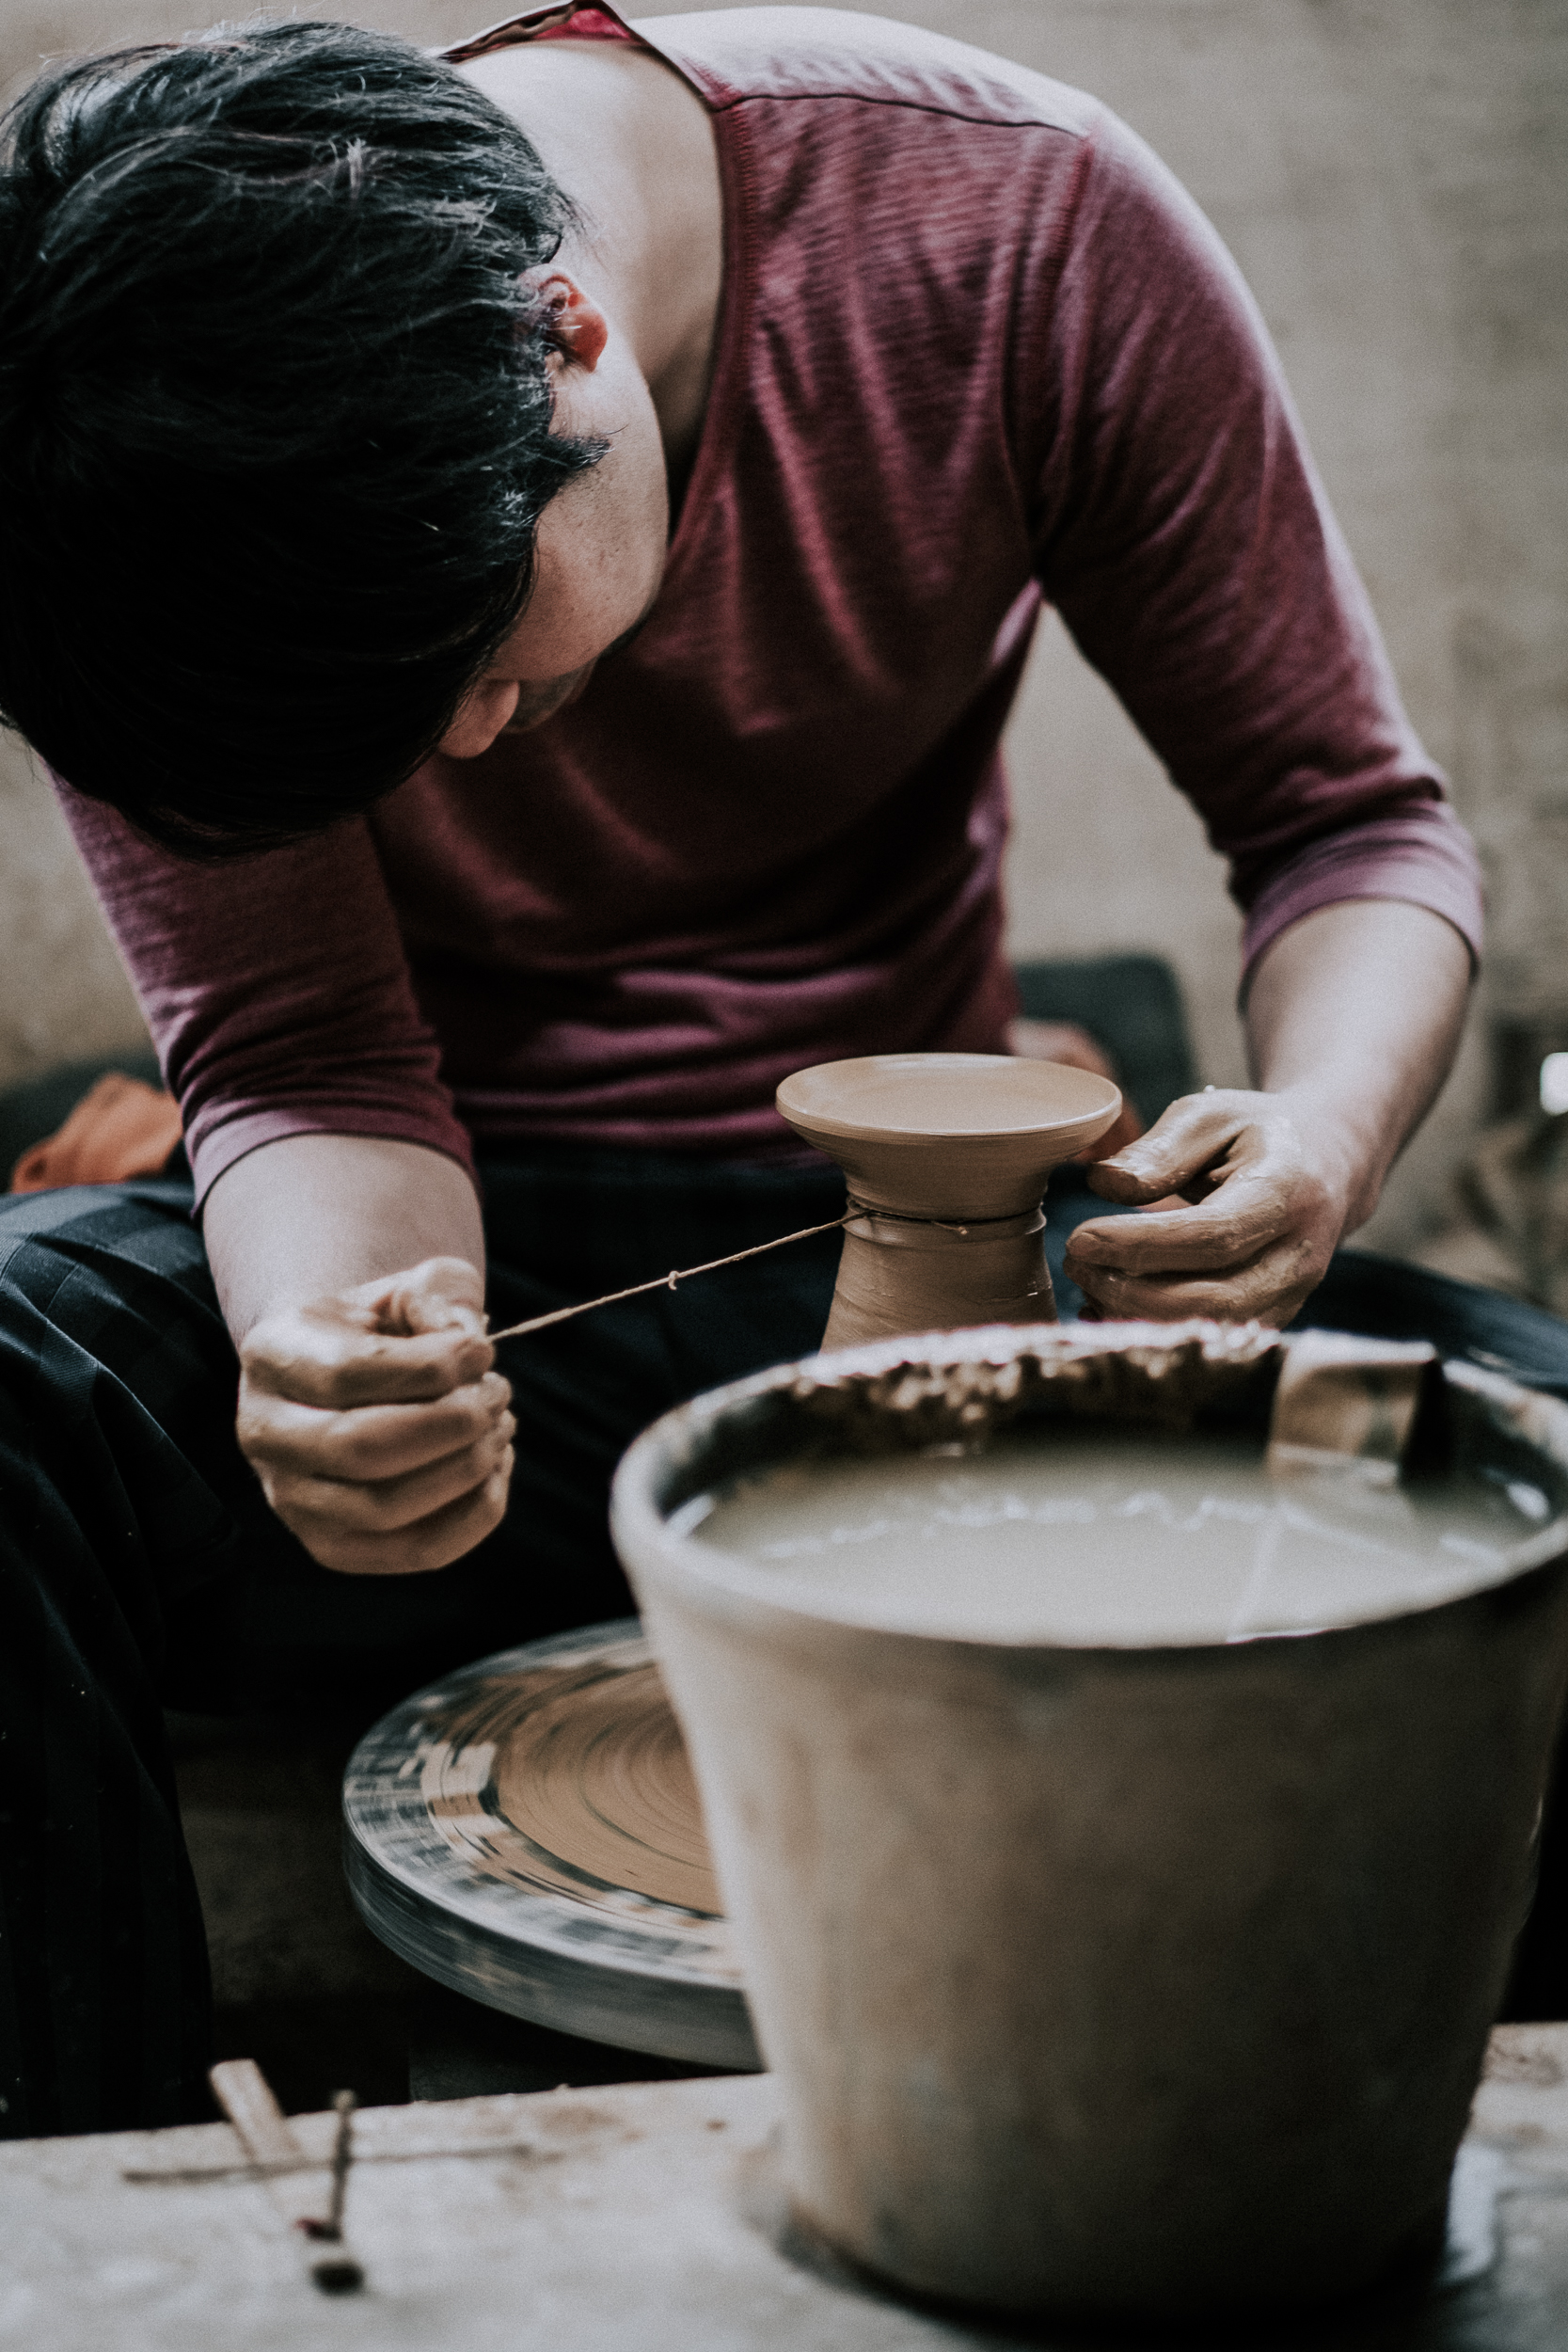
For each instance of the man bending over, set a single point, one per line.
(518, 564)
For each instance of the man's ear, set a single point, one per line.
(577, 328)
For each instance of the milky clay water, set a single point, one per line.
(1087, 1536)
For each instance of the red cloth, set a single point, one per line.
(975, 338)
(121, 1128)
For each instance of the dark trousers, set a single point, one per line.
(140, 1567)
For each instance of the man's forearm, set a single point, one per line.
(314, 1214)
(1355, 1014)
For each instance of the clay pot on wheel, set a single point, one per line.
(1127, 1983)
(946, 1157)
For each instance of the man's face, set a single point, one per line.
(601, 552)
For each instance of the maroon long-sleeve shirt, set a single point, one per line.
(976, 347)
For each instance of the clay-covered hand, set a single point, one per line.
(1247, 1214)
(1064, 1042)
(379, 1431)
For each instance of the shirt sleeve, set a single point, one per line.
(1181, 530)
(276, 989)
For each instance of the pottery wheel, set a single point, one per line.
(527, 1832)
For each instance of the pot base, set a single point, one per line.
(1442, 2258)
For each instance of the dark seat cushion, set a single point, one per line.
(1132, 1006)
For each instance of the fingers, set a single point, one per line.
(387, 1506)
(1254, 1241)
(1182, 1153)
(440, 1295)
(369, 1442)
(1271, 1289)
(1238, 1220)
(336, 1368)
(384, 1490)
(381, 1433)
(431, 1543)
(409, 1337)
(1128, 1128)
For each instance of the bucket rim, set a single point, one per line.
(663, 1468)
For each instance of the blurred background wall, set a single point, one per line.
(1390, 175)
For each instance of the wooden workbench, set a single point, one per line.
(632, 2219)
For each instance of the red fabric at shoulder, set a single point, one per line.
(1182, 532)
(275, 988)
(574, 19)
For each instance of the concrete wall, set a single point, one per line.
(1390, 175)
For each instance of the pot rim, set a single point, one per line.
(1101, 1100)
(725, 1582)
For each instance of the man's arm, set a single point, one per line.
(350, 1272)
(343, 1231)
(1183, 537)
(1353, 1018)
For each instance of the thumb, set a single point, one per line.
(1174, 1157)
(440, 1295)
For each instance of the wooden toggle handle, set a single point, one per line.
(246, 2096)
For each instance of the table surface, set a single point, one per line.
(630, 2220)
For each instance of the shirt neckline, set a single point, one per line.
(731, 145)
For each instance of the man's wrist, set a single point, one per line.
(1342, 1140)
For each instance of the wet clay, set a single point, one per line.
(946, 1157)
(1089, 1537)
(572, 1782)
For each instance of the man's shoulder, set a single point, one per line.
(739, 54)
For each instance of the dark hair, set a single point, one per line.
(275, 421)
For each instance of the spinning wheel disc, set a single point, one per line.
(527, 1832)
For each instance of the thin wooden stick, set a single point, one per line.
(271, 2142)
(342, 2155)
(199, 2175)
(337, 2273)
